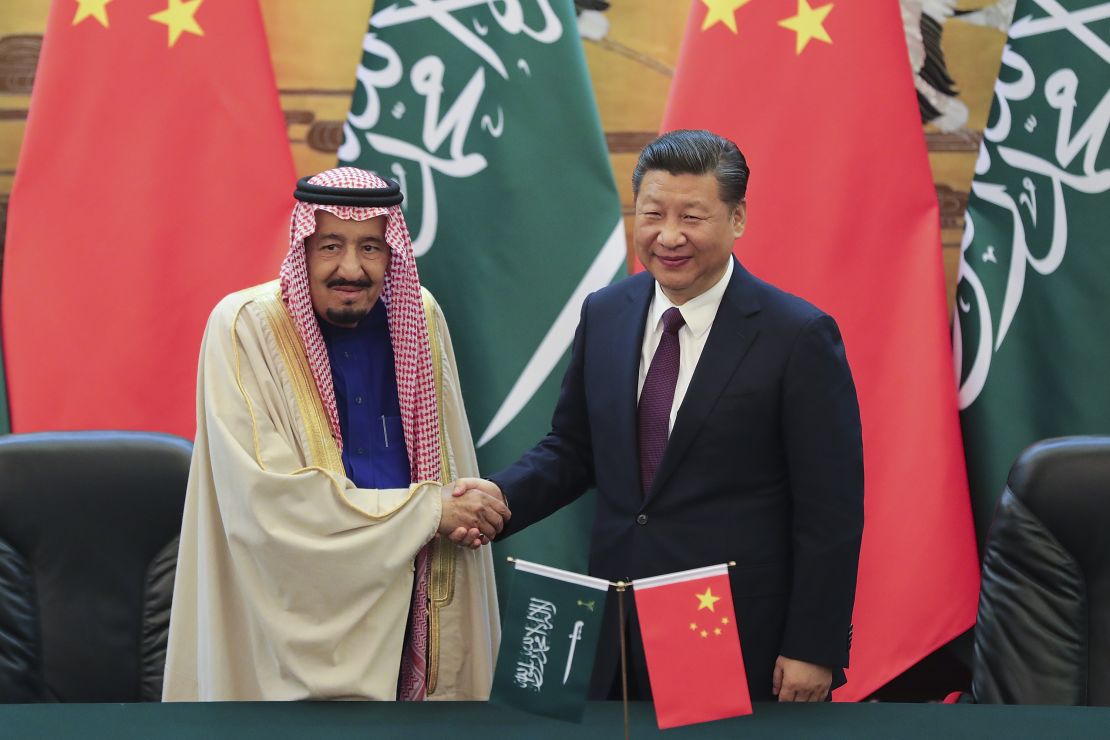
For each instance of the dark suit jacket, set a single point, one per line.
(764, 466)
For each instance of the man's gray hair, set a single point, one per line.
(696, 152)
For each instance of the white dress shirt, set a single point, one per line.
(698, 313)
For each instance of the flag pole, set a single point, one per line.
(621, 587)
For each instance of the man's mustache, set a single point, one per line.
(340, 283)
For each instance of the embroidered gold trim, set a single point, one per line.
(325, 453)
(441, 581)
(322, 446)
(249, 294)
(319, 431)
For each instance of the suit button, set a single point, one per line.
(641, 519)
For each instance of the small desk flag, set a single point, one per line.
(692, 645)
(549, 640)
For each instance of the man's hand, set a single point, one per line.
(488, 487)
(472, 518)
(796, 680)
(473, 538)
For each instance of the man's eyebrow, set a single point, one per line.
(691, 203)
(340, 237)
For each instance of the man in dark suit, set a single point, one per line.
(717, 418)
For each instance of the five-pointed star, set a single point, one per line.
(707, 600)
(807, 24)
(724, 620)
(722, 11)
(693, 625)
(703, 633)
(716, 630)
(92, 9)
(178, 18)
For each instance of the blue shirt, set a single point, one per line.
(362, 369)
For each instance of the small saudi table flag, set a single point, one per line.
(549, 640)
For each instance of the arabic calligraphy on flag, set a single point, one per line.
(484, 114)
(549, 640)
(1030, 350)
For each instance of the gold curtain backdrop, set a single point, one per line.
(631, 49)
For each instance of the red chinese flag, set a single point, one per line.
(692, 646)
(155, 177)
(842, 211)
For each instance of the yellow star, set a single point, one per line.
(707, 600)
(716, 630)
(704, 633)
(722, 11)
(92, 9)
(178, 18)
(807, 24)
(693, 625)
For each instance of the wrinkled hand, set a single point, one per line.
(472, 518)
(489, 488)
(796, 680)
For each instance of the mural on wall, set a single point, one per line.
(924, 22)
(631, 49)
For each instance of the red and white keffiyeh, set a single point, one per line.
(407, 328)
(412, 357)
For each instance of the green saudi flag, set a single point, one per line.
(1033, 299)
(484, 113)
(549, 639)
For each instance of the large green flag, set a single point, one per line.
(485, 115)
(549, 640)
(1032, 349)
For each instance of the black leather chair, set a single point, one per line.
(1042, 635)
(89, 525)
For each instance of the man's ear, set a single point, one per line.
(739, 219)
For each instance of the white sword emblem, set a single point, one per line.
(574, 637)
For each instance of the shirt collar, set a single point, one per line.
(698, 312)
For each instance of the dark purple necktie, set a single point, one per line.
(657, 397)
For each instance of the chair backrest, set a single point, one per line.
(1042, 635)
(89, 525)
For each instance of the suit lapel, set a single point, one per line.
(622, 377)
(734, 329)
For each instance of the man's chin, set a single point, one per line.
(345, 316)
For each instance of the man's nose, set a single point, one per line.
(671, 235)
(349, 266)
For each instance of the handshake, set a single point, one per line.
(474, 512)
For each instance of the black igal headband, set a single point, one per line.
(324, 195)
